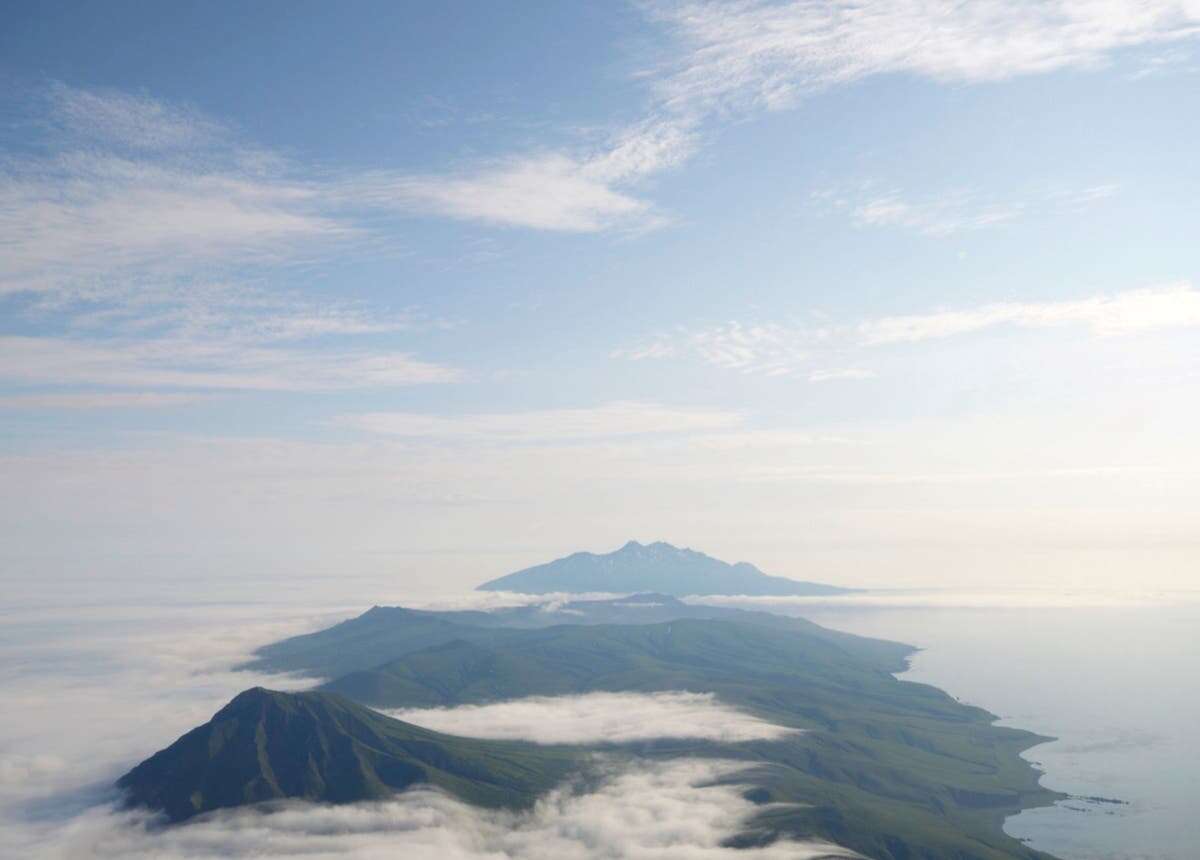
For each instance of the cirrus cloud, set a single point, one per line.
(776, 349)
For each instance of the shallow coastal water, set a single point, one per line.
(1116, 685)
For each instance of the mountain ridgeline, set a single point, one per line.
(383, 632)
(886, 768)
(657, 567)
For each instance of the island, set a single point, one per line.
(882, 767)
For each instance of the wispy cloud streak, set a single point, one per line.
(141, 246)
(955, 212)
(608, 420)
(766, 55)
(774, 349)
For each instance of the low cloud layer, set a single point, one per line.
(90, 690)
(598, 718)
(917, 598)
(651, 812)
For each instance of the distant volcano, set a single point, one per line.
(657, 567)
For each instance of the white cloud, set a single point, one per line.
(598, 718)
(134, 121)
(955, 212)
(168, 663)
(1172, 62)
(79, 222)
(213, 363)
(648, 811)
(736, 58)
(830, 374)
(1170, 306)
(940, 218)
(766, 55)
(774, 349)
(550, 192)
(99, 400)
(622, 418)
(1027, 598)
(156, 228)
(578, 191)
(764, 348)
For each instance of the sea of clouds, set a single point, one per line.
(90, 690)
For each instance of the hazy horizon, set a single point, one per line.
(900, 297)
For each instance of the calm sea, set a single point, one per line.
(1116, 681)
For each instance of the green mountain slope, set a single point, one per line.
(892, 769)
(267, 745)
(888, 768)
(651, 567)
(685, 654)
(384, 633)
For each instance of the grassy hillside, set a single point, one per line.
(266, 745)
(889, 768)
(383, 633)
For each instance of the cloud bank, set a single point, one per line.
(659, 811)
(598, 718)
(141, 674)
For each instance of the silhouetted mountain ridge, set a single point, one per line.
(656, 567)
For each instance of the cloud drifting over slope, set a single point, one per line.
(598, 718)
(660, 811)
(144, 673)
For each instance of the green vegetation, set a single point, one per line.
(888, 768)
(266, 745)
(891, 769)
(385, 632)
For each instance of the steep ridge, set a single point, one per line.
(267, 745)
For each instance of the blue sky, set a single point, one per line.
(888, 293)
